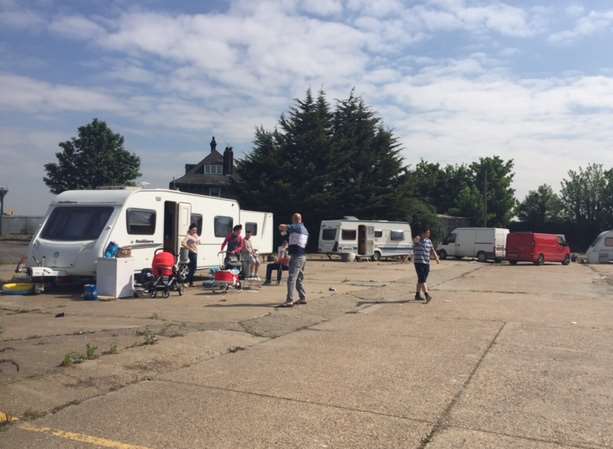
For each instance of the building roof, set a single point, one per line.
(195, 175)
(200, 179)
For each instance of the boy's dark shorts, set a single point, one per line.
(422, 269)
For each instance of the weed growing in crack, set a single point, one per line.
(90, 352)
(149, 336)
(72, 358)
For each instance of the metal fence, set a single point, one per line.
(20, 225)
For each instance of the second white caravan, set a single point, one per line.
(366, 238)
(601, 249)
(80, 224)
(482, 243)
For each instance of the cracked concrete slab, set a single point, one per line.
(165, 415)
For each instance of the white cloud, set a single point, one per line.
(77, 27)
(587, 25)
(19, 93)
(15, 16)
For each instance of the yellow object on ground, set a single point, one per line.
(17, 288)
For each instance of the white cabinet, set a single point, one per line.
(115, 277)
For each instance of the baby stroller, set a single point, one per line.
(224, 277)
(164, 274)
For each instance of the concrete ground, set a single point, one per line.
(503, 357)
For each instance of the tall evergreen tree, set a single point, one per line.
(369, 167)
(324, 163)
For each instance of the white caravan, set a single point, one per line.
(80, 224)
(366, 238)
(601, 250)
(482, 243)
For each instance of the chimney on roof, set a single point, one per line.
(228, 161)
(213, 144)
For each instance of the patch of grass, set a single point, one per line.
(90, 352)
(149, 336)
(72, 358)
(113, 349)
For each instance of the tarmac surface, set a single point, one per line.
(503, 357)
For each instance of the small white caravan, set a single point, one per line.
(366, 238)
(601, 250)
(80, 224)
(482, 243)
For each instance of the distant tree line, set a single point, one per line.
(583, 208)
(328, 161)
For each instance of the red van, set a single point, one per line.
(537, 248)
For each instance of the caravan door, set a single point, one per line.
(184, 217)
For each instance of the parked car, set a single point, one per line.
(482, 243)
(537, 248)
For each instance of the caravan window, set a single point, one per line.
(223, 226)
(378, 234)
(76, 223)
(196, 219)
(328, 234)
(252, 228)
(140, 221)
(348, 234)
(608, 241)
(397, 235)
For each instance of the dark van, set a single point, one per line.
(537, 248)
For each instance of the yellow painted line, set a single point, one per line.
(5, 418)
(80, 437)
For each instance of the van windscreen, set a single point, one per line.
(76, 223)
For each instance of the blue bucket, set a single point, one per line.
(111, 250)
(89, 292)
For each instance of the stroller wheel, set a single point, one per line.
(154, 293)
(166, 293)
(180, 289)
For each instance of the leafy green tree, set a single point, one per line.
(493, 177)
(95, 158)
(584, 195)
(540, 207)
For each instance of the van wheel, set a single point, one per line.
(481, 257)
(442, 254)
(566, 261)
(376, 256)
(540, 260)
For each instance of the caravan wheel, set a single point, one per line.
(442, 254)
(481, 257)
(376, 256)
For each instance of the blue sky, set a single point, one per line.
(455, 79)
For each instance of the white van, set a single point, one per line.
(374, 239)
(482, 243)
(80, 224)
(601, 250)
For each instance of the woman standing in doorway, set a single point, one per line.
(191, 242)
